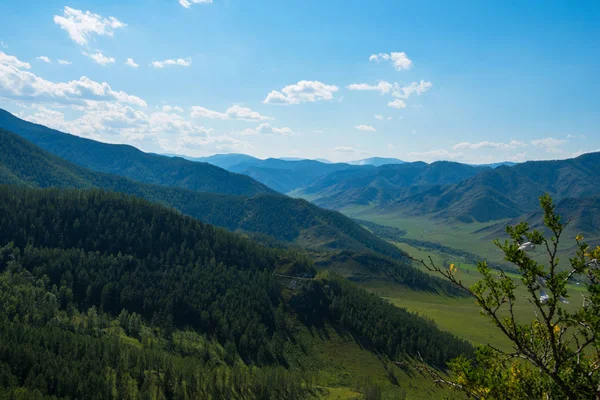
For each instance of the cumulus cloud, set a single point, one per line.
(118, 123)
(202, 112)
(182, 62)
(397, 90)
(172, 108)
(397, 104)
(513, 144)
(244, 113)
(234, 112)
(399, 60)
(13, 61)
(24, 85)
(64, 62)
(548, 142)
(130, 63)
(301, 92)
(82, 26)
(44, 59)
(189, 3)
(419, 88)
(267, 129)
(365, 128)
(100, 58)
(382, 87)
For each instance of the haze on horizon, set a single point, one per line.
(471, 81)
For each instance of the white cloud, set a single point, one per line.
(303, 91)
(44, 59)
(382, 87)
(488, 145)
(130, 63)
(365, 128)
(172, 108)
(548, 142)
(576, 137)
(168, 62)
(390, 118)
(3, 45)
(24, 85)
(64, 62)
(379, 117)
(188, 3)
(100, 58)
(118, 123)
(234, 112)
(13, 61)
(415, 87)
(399, 60)
(201, 112)
(397, 104)
(244, 113)
(391, 146)
(267, 129)
(81, 26)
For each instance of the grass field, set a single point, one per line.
(461, 316)
(347, 371)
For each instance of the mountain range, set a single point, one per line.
(277, 216)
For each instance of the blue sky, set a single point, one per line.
(471, 81)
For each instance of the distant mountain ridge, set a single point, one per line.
(283, 218)
(377, 161)
(381, 186)
(132, 163)
(507, 192)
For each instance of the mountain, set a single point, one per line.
(283, 218)
(226, 161)
(383, 185)
(507, 192)
(132, 163)
(582, 214)
(109, 296)
(496, 165)
(377, 161)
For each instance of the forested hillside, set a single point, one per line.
(132, 163)
(285, 219)
(101, 288)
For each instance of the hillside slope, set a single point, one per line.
(132, 163)
(80, 267)
(290, 220)
(582, 214)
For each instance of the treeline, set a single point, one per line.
(370, 266)
(378, 325)
(384, 232)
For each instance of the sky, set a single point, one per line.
(468, 81)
